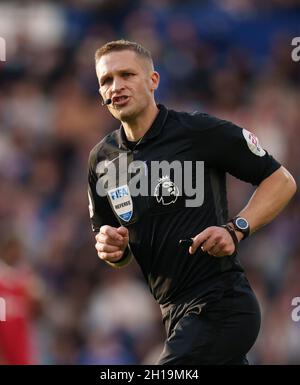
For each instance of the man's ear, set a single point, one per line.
(154, 80)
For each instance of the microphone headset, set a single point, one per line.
(106, 102)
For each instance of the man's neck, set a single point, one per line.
(138, 127)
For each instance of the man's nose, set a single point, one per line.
(117, 84)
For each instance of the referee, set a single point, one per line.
(187, 252)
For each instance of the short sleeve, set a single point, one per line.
(235, 150)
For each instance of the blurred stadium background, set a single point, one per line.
(230, 58)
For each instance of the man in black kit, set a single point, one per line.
(186, 247)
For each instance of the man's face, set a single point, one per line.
(127, 79)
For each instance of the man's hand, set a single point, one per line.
(215, 241)
(111, 243)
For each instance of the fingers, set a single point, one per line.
(111, 257)
(215, 251)
(123, 231)
(102, 238)
(215, 241)
(199, 239)
(216, 244)
(110, 233)
(111, 242)
(103, 247)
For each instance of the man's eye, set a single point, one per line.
(105, 81)
(127, 74)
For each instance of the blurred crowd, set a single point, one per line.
(228, 58)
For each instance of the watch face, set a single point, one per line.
(241, 223)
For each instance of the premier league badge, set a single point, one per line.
(166, 192)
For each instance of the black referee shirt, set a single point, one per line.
(156, 224)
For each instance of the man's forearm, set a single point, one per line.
(269, 199)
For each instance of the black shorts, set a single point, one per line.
(221, 332)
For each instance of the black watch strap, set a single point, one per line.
(234, 238)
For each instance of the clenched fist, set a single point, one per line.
(111, 243)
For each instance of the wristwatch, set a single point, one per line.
(242, 225)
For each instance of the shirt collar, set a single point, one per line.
(153, 131)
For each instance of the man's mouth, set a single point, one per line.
(120, 100)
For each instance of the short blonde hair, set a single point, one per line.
(123, 45)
